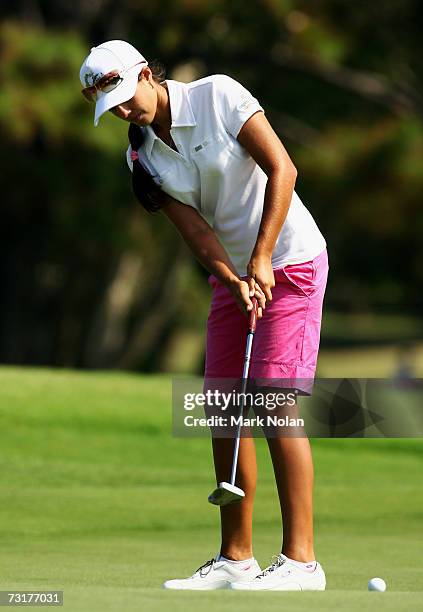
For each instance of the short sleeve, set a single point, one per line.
(235, 104)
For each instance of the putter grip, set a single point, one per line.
(253, 316)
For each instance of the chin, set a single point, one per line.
(143, 120)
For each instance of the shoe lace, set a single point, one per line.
(208, 565)
(279, 560)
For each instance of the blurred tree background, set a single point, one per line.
(88, 279)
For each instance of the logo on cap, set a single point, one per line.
(93, 76)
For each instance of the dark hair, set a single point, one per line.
(158, 69)
(147, 192)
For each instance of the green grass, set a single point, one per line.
(99, 500)
(367, 361)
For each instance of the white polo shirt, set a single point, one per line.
(214, 174)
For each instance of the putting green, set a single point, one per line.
(88, 475)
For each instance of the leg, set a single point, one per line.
(237, 519)
(293, 466)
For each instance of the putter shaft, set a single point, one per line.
(248, 350)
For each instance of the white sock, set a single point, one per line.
(222, 558)
(308, 566)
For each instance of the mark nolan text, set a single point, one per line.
(233, 421)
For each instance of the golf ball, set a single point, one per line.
(377, 584)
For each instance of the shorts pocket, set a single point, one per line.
(302, 276)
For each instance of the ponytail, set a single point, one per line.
(149, 195)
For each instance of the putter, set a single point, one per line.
(227, 493)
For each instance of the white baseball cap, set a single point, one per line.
(112, 55)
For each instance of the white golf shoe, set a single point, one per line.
(283, 575)
(216, 574)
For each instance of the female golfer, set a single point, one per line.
(205, 155)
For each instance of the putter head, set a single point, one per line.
(226, 494)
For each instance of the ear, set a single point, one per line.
(145, 74)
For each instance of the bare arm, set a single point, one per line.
(264, 146)
(205, 245)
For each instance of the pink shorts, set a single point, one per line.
(286, 342)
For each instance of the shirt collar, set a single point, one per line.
(180, 105)
(180, 109)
